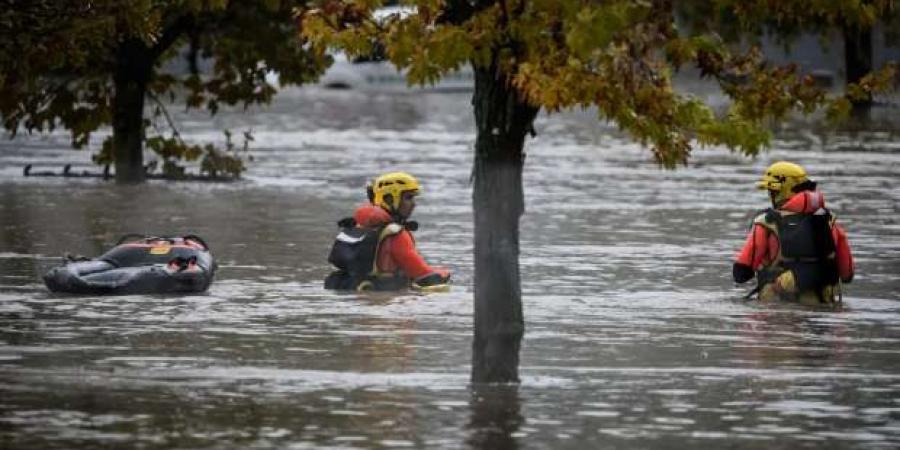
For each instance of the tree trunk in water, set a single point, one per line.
(495, 417)
(858, 62)
(134, 65)
(502, 119)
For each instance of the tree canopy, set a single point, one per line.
(617, 55)
(783, 22)
(83, 64)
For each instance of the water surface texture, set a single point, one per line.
(636, 336)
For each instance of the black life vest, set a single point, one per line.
(806, 248)
(354, 254)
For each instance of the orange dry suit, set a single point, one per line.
(375, 252)
(797, 252)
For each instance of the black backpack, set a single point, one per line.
(353, 254)
(807, 248)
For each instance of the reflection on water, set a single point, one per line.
(636, 336)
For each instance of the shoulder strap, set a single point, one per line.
(384, 232)
(768, 218)
(390, 230)
(832, 219)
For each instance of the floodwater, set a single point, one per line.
(636, 336)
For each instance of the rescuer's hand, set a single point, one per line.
(742, 273)
(439, 276)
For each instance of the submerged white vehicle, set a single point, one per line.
(377, 74)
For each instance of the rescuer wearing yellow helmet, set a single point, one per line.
(796, 249)
(781, 179)
(375, 249)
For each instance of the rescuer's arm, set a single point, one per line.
(843, 257)
(751, 255)
(404, 253)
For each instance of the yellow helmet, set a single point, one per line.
(780, 180)
(393, 184)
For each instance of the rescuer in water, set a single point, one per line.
(796, 249)
(375, 249)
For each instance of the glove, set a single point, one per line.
(440, 276)
(741, 273)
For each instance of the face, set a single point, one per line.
(407, 204)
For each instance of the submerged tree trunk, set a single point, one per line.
(495, 417)
(503, 120)
(858, 62)
(134, 65)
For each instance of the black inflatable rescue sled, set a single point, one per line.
(138, 264)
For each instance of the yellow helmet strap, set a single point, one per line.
(389, 201)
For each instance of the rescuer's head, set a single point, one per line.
(396, 192)
(784, 179)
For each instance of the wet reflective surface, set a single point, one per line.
(636, 336)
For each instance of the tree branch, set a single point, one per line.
(165, 113)
(458, 11)
(171, 34)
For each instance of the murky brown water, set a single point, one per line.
(636, 337)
